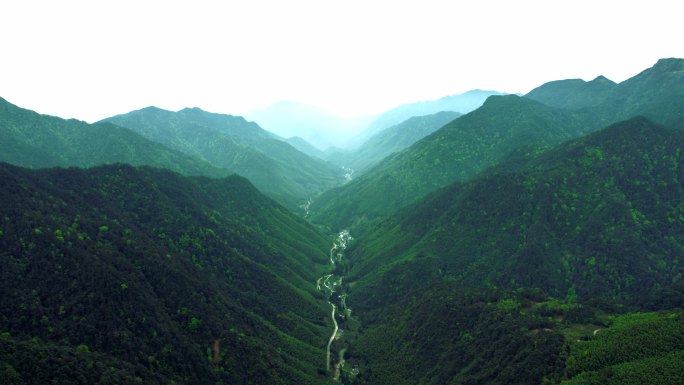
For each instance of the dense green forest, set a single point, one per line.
(488, 135)
(32, 140)
(599, 216)
(636, 348)
(534, 240)
(656, 93)
(591, 227)
(457, 151)
(231, 142)
(461, 103)
(146, 272)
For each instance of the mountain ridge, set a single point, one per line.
(227, 141)
(461, 103)
(457, 151)
(154, 270)
(593, 197)
(34, 140)
(656, 92)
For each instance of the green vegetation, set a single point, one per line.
(451, 335)
(111, 280)
(640, 348)
(32, 140)
(456, 152)
(396, 138)
(503, 248)
(461, 103)
(611, 228)
(655, 93)
(554, 245)
(492, 133)
(573, 94)
(231, 142)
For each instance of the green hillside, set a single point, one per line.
(446, 334)
(32, 140)
(226, 141)
(396, 138)
(573, 93)
(163, 278)
(457, 151)
(656, 93)
(499, 128)
(639, 348)
(601, 216)
(461, 103)
(491, 280)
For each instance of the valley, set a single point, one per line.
(497, 239)
(331, 286)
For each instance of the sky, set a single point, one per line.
(90, 59)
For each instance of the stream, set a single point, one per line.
(331, 284)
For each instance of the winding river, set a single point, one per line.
(331, 284)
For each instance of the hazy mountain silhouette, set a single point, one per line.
(275, 167)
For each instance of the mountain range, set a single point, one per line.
(656, 93)
(461, 103)
(390, 140)
(457, 151)
(162, 277)
(316, 126)
(533, 239)
(595, 219)
(32, 140)
(233, 143)
(580, 217)
(503, 125)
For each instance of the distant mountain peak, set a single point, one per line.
(602, 79)
(151, 109)
(498, 98)
(192, 109)
(626, 129)
(669, 65)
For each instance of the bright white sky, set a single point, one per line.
(89, 59)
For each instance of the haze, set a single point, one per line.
(91, 59)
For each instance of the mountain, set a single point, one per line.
(535, 275)
(226, 141)
(32, 140)
(641, 348)
(573, 93)
(305, 147)
(457, 151)
(462, 103)
(600, 216)
(318, 127)
(657, 93)
(396, 138)
(448, 334)
(119, 274)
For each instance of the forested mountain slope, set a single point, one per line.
(32, 140)
(455, 152)
(656, 93)
(161, 277)
(226, 141)
(396, 138)
(519, 276)
(600, 216)
(461, 103)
